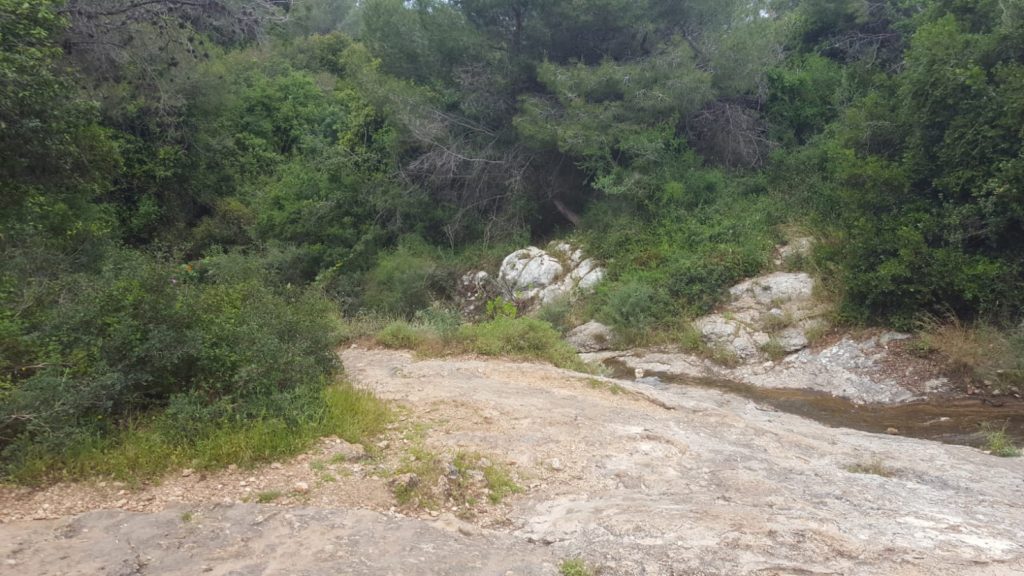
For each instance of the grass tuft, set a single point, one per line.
(998, 443)
(875, 467)
(268, 496)
(575, 567)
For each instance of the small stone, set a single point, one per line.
(301, 487)
(187, 472)
(555, 464)
(121, 503)
(275, 466)
(891, 430)
(232, 467)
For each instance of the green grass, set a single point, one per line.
(461, 488)
(575, 567)
(606, 386)
(147, 448)
(268, 496)
(522, 338)
(998, 443)
(774, 349)
(517, 338)
(499, 483)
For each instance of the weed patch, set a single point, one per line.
(268, 496)
(575, 567)
(998, 443)
(980, 352)
(875, 467)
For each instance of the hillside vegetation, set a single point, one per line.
(197, 195)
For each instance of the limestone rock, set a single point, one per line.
(775, 288)
(473, 292)
(532, 277)
(590, 337)
(529, 268)
(793, 250)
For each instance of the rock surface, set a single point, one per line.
(636, 481)
(856, 369)
(590, 337)
(251, 540)
(776, 310)
(531, 277)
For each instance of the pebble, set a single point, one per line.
(187, 472)
(555, 464)
(275, 466)
(301, 487)
(891, 430)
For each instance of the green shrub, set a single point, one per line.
(633, 307)
(560, 313)
(501, 308)
(403, 281)
(206, 341)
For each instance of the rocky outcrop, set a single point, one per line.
(532, 277)
(767, 314)
(860, 370)
(761, 337)
(590, 337)
(537, 277)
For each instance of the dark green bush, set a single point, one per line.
(403, 281)
(634, 306)
(143, 335)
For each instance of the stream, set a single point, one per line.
(948, 419)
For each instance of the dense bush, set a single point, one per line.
(403, 281)
(209, 342)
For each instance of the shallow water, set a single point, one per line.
(952, 420)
